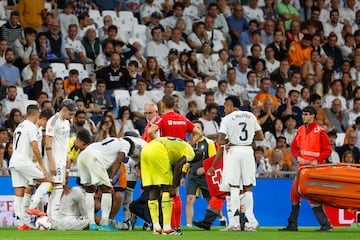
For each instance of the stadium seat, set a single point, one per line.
(126, 18)
(20, 94)
(112, 14)
(212, 84)
(179, 84)
(124, 33)
(95, 15)
(60, 70)
(139, 31)
(29, 102)
(340, 139)
(122, 98)
(82, 72)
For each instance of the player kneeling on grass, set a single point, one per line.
(158, 158)
(98, 163)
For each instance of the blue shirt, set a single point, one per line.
(10, 73)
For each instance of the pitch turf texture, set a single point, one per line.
(338, 233)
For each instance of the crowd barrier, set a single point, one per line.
(271, 202)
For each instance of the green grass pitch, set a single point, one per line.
(272, 233)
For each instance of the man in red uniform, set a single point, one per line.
(172, 124)
(311, 146)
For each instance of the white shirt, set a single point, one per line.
(74, 45)
(251, 14)
(328, 98)
(159, 51)
(210, 127)
(217, 37)
(8, 105)
(235, 89)
(73, 203)
(272, 66)
(108, 149)
(240, 127)
(137, 102)
(352, 116)
(27, 74)
(24, 135)
(181, 46)
(59, 129)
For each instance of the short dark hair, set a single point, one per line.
(199, 122)
(46, 113)
(314, 97)
(78, 112)
(169, 101)
(32, 109)
(84, 135)
(86, 80)
(310, 109)
(234, 99)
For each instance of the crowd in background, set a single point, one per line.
(277, 56)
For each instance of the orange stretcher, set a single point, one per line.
(337, 185)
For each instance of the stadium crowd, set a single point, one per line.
(117, 59)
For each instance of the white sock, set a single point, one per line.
(228, 210)
(48, 209)
(128, 197)
(249, 207)
(55, 204)
(39, 194)
(18, 203)
(106, 202)
(26, 204)
(235, 204)
(90, 207)
(242, 202)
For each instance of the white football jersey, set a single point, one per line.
(240, 127)
(130, 170)
(59, 129)
(24, 134)
(39, 136)
(108, 149)
(139, 144)
(73, 203)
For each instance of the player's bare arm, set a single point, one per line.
(49, 154)
(152, 131)
(259, 135)
(115, 166)
(220, 141)
(177, 171)
(196, 135)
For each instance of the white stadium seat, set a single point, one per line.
(122, 98)
(60, 70)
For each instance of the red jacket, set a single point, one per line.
(311, 143)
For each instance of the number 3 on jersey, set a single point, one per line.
(244, 133)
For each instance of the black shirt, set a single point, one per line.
(114, 78)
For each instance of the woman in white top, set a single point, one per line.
(206, 63)
(198, 37)
(276, 131)
(124, 122)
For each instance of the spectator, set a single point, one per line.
(91, 44)
(206, 63)
(81, 121)
(331, 50)
(216, 37)
(15, 118)
(300, 52)
(67, 18)
(106, 128)
(153, 74)
(336, 90)
(269, 11)
(84, 94)
(170, 22)
(3, 164)
(73, 47)
(9, 74)
(267, 115)
(334, 157)
(237, 24)
(193, 111)
(211, 128)
(55, 37)
(290, 128)
(281, 145)
(12, 30)
(31, 74)
(103, 31)
(44, 51)
(175, 41)
(115, 75)
(294, 83)
(304, 97)
(187, 96)
(271, 63)
(291, 108)
(138, 101)
(276, 130)
(264, 94)
(350, 146)
(10, 102)
(242, 72)
(102, 102)
(24, 47)
(103, 59)
(58, 93)
(263, 166)
(198, 37)
(354, 113)
(155, 47)
(72, 82)
(282, 74)
(337, 117)
(8, 151)
(29, 13)
(124, 123)
(287, 12)
(146, 9)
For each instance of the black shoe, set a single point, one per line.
(223, 222)
(201, 225)
(325, 228)
(289, 228)
(178, 231)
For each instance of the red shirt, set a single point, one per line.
(145, 135)
(172, 124)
